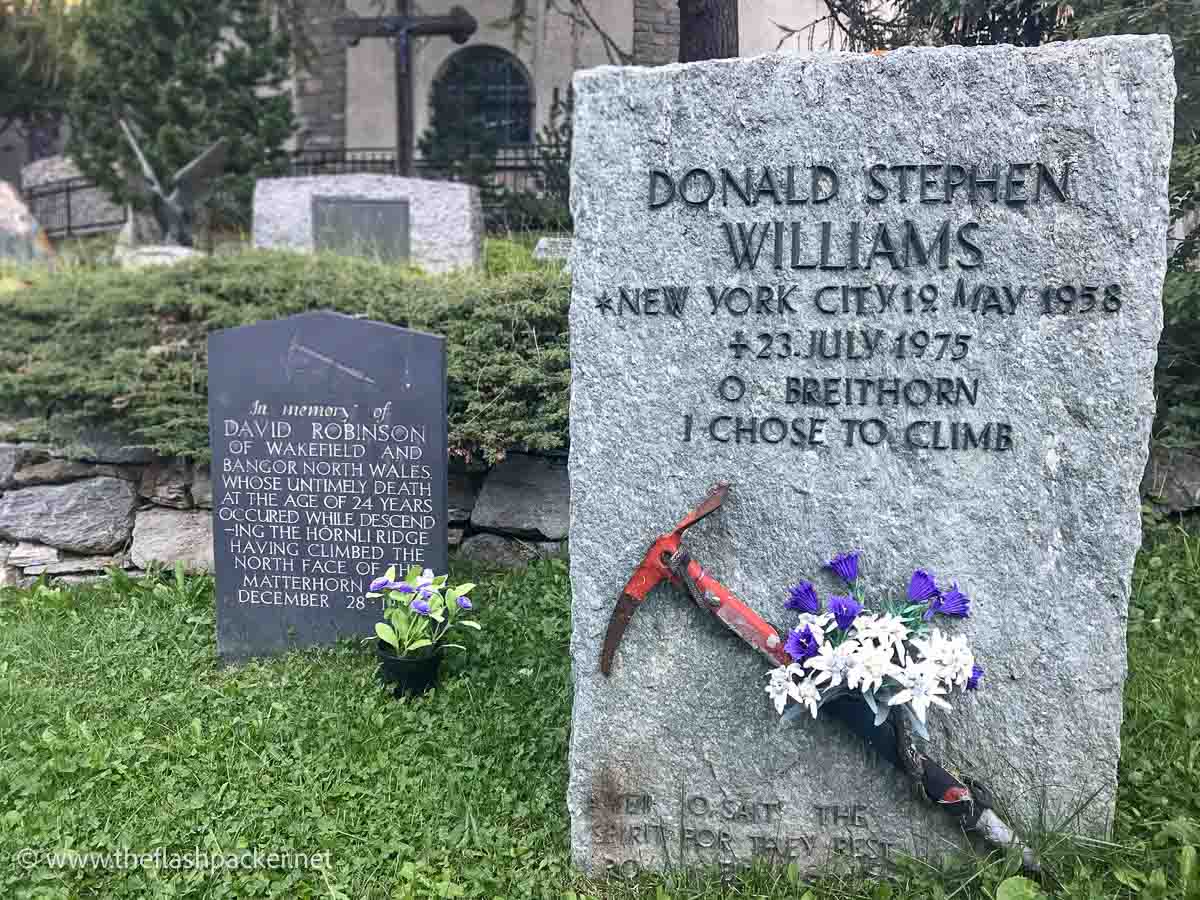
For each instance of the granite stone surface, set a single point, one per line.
(991, 428)
(170, 536)
(445, 218)
(93, 516)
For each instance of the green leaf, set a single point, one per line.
(1187, 868)
(387, 634)
(390, 573)
(1018, 888)
(417, 645)
(471, 623)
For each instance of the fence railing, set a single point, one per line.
(520, 189)
(74, 207)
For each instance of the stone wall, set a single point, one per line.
(320, 88)
(73, 512)
(655, 32)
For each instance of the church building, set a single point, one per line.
(511, 72)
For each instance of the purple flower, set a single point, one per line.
(845, 565)
(382, 583)
(464, 603)
(953, 603)
(976, 674)
(845, 610)
(803, 598)
(921, 587)
(426, 591)
(801, 644)
(420, 607)
(404, 588)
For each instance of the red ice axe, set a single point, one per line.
(666, 560)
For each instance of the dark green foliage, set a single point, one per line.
(184, 73)
(128, 348)
(36, 64)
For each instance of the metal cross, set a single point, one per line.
(458, 25)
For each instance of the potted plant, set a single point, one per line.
(419, 614)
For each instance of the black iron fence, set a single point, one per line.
(73, 207)
(520, 189)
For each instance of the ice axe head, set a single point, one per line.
(654, 568)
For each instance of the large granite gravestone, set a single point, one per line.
(329, 464)
(442, 227)
(906, 304)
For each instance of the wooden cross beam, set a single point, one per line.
(458, 25)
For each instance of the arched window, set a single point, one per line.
(486, 89)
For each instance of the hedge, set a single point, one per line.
(127, 350)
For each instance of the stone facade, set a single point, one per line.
(319, 87)
(655, 32)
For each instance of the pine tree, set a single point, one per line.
(183, 73)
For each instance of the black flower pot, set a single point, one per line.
(408, 675)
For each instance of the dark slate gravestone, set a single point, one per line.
(362, 226)
(329, 465)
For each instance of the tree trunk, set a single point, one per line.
(708, 29)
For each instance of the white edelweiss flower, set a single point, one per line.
(871, 665)
(958, 661)
(889, 631)
(935, 647)
(816, 622)
(806, 693)
(426, 578)
(922, 686)
(864, 622)
(797, 670)
(779, 688)
(831, 664)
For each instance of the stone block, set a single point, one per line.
(169, 483)
(445, 218)
(202, 487)
(92, 516)
(27, 554)
(782, 335)
(528, 496)
(169, 536)
(76, 565)
(40, 469)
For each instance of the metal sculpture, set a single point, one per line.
(175, 210)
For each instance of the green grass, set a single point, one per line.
(119, 729)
